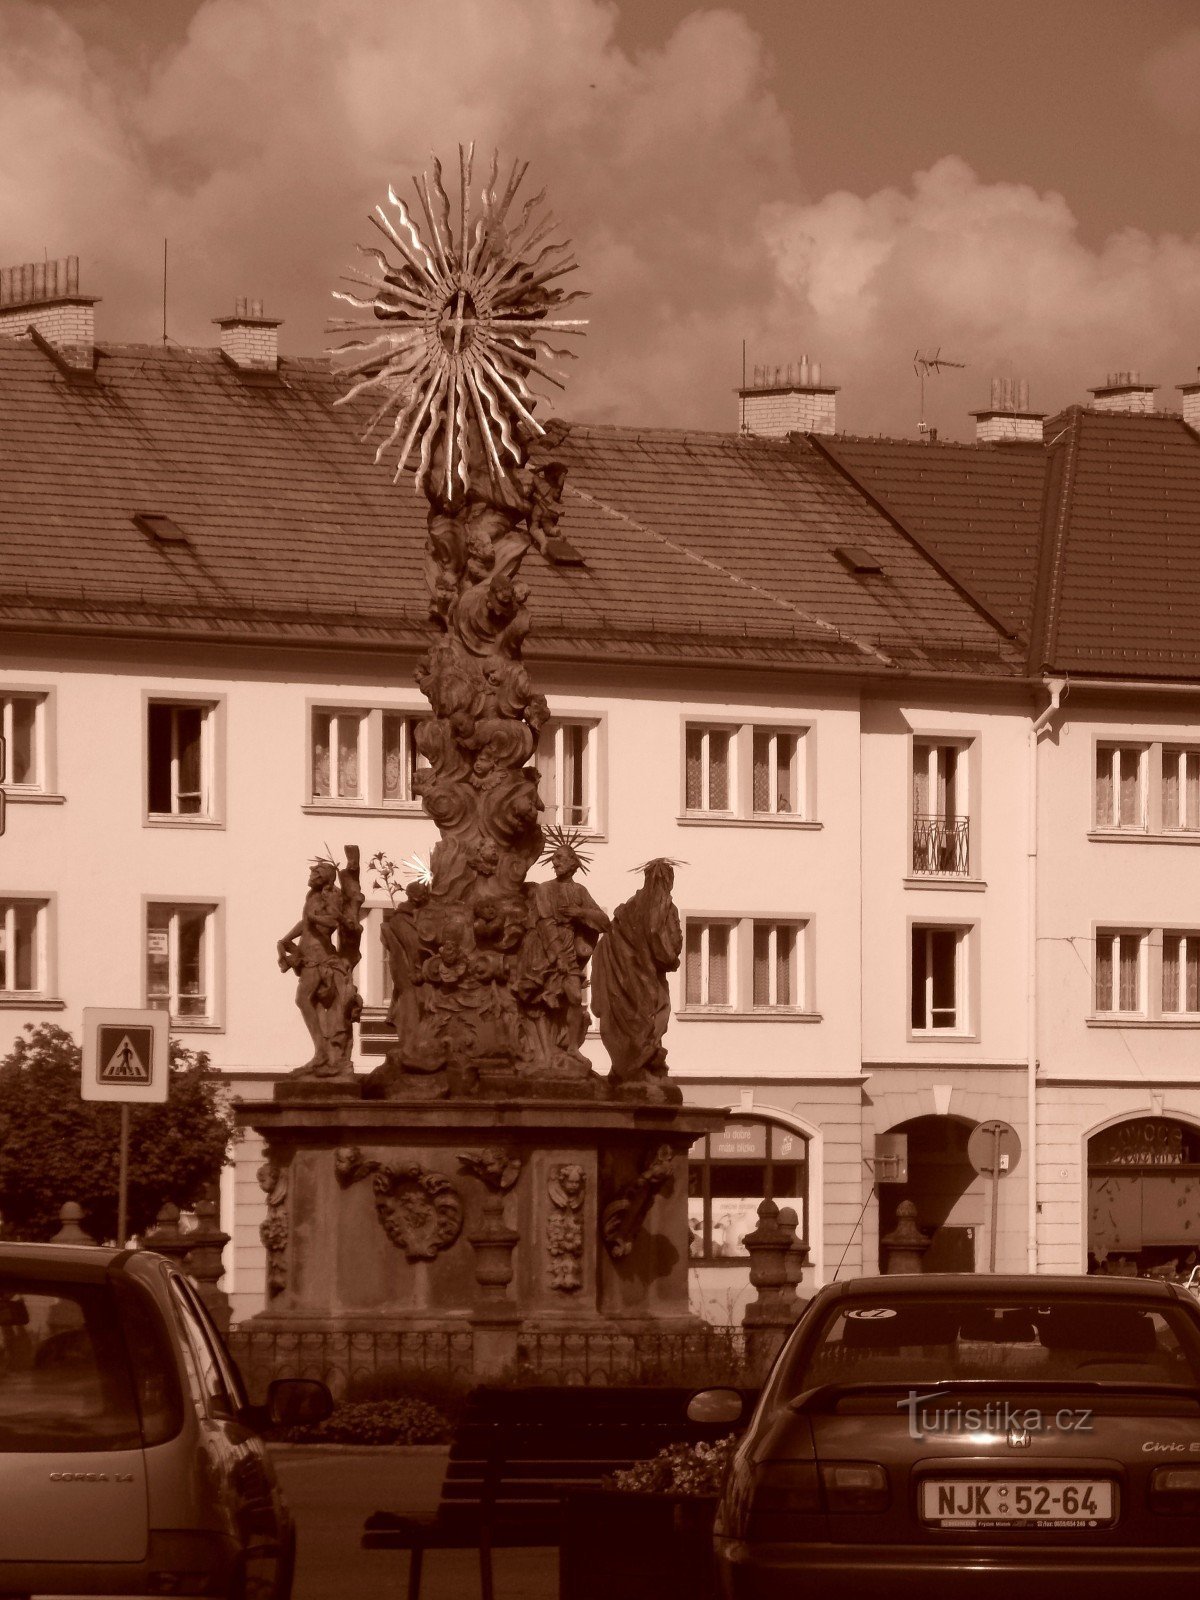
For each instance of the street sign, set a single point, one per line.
(124, 1055)
(994, 1147)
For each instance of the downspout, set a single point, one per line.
(1057, 688)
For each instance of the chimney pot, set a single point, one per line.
(805, 405)
(1124, 391)
(249, 339)
(44, 295)
(1009, 419)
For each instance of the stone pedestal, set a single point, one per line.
(776, 1266)
(472, 1213)
(906, 1244)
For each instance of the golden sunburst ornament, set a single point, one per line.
(461, 328)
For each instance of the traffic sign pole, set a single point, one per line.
(123, 1179)
(996, 1133)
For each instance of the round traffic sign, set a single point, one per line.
(994, 1147)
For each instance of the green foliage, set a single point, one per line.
(402, 1421)
(55, 1146)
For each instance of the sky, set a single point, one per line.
(1012, 183)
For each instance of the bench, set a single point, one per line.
(516, 1452)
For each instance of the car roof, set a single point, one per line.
(1034, 1284)
(77, 1262)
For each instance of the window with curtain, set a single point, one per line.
(1181, 973)
(178, 738)
(731, 1172)
(1120, 972)
(1121, 772)
(706, 964)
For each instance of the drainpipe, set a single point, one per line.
(1057, 687)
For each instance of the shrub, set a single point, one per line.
(401, 1421)
(683, 1469)
(446, 1392)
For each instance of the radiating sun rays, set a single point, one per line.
(461, 328)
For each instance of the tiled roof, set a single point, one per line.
(1121, 560)
(705, 546)
(977, 508)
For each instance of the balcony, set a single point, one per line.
(941, 846)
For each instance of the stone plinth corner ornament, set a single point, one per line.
(420, 1211)
(565, 1186)
(623, 1217)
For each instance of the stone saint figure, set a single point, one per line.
(402, 943)
(629, 982)
(565, 923)
(323, 950)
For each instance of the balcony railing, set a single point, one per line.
(941, 845)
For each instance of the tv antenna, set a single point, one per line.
(922, 366)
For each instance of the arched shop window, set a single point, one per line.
(731, 1172)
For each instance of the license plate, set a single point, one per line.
(1016, 1502)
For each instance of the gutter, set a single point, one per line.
(1056, 687)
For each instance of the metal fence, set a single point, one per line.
(941, 845)
(345, 1360)
(704, 1355)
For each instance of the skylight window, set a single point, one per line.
(855, 559)
(159, 528)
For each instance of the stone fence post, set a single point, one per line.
(906, 1244)
(495, 1319)
(203, 1262)
(776, 1263)
(71, 1232)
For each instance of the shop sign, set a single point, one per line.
(1145, 1142)
(739, 1141)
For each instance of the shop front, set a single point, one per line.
(1144, 1197)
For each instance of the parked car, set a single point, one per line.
(130, 1458)
(946, 1435)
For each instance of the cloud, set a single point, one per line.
(259, 143)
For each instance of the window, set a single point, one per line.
(941, 840)
(1180, 973)
(179, 759)
(706, 964)
(746, 772)
(939, 979)
(776, 974)
(363, 757)
(707, 769)
(1121, 972)
(1180, 789)
(1121, 786)
(730, 1173)
(566, 762)
(22, 718)
(180, 961)
(22, 947)
(372, 976)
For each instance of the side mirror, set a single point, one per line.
(715, 1405)
(297, 1402)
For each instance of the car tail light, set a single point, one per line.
(1175, 1489)
(855, 1486)
(778, 1493)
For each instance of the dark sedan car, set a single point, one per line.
(959, 1435)
(130, 1458)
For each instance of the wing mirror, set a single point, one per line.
(297, 1402)
(715, 1406)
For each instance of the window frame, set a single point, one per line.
(371, 758)
(45, 994)
(740, 1006)
(966, 979)
(212, 759)
(1189, 940)
(705, 926)
(43, 741)
(708, 1257)
(742, 734)
(1114, 934)
(595, 765)
(214, 960)
(1114, 748)
(968, 746)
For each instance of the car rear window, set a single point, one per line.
(64, 1375)
(1056, 1339)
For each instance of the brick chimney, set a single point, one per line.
(1124, 391)
(1191, 401)
(248, 339)
(1008, 419)
(783, 400)
(44, 295)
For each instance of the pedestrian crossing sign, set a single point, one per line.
(124, 1055)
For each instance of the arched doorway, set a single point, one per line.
(945, 1188)
(1144, 1197)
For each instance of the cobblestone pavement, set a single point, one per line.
(332, 1491)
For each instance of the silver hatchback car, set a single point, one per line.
(130, 1458)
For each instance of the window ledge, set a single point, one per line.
(31, 1002)
(192, 1025)
(155, 821)
(941, 1036)
(34, 797)
(1142, 836)
(719, 819)
(948, 880)
(1135, 1020)
(362, 808)
(728, 1014)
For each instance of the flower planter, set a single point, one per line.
(637, 1546)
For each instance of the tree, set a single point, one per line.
(55, 1146)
